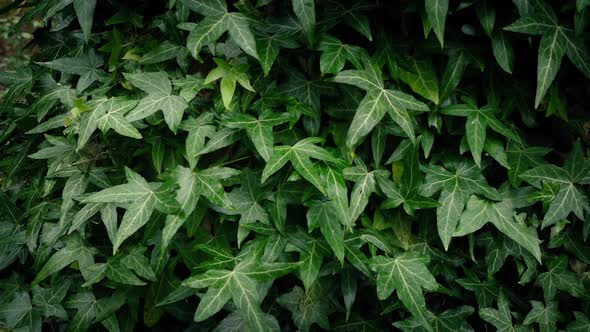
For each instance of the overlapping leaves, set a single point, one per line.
(219, 165)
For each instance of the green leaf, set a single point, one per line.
(72, 252)
(268, 47)
(311, 263)
(453, 74)
(567, 200)
(500, 318)
(487, 16)
(214, 299)
(478, 212)
(455, 190)
(229, 75)
(503, 51)
(136, 261)
(452, 319)
(475, 128)
(206, 32)
(86, 66)
(259, 130)
(335, 54)
(557, 277)
(551, 51)
(580, 324)
(238, 26)
(300, 156)
(520, 159)
(85, 13)
(143, 198)
(545, 316)
(369, 113)
(18, 311)
(475, 132)
(305, 12)
(376, 103)
(437, 15)
(321, 214)
(362, 189)
(107, 114)
(313, 313)
(407, 274)
(206, 7)
(159, 98)
(87, 308)
(421, 77)
(161, 53)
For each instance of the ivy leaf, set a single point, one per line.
(216, 22)
(478, 212)
(335, 54)
(85, 12)
(19, 311)
(520, 159)
(376, 103)
(74, 250)
(190, 86)
(311, 258)
(455, 190)
(337, 192)
(160, 98)
(475, 128)
(314, 313)
(556, 41)
(580, 324)
(107, 113)
(20, 82)
(268, 47)
(503, 51)
(458, 62)
(143, 198)
(87, 308)
(557, 277)
(241, 286)
(162, 52)
(551, 51)
(206, 32)
(500, 318)
(452, 320)
(48, 300)
(322, 214)
(86, 66)
(229, 75)
(206, 7)
(305, 12)
(192, 185)
(545, 316)
(364, 186)
(421, 77)
(259, 130)
(437, 15)
(300, 155)
(136, 261)
(406, 273)
(487, 16)
(569, 199)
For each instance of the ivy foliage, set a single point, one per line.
(297, 165)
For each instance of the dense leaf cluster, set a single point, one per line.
(297, 165)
